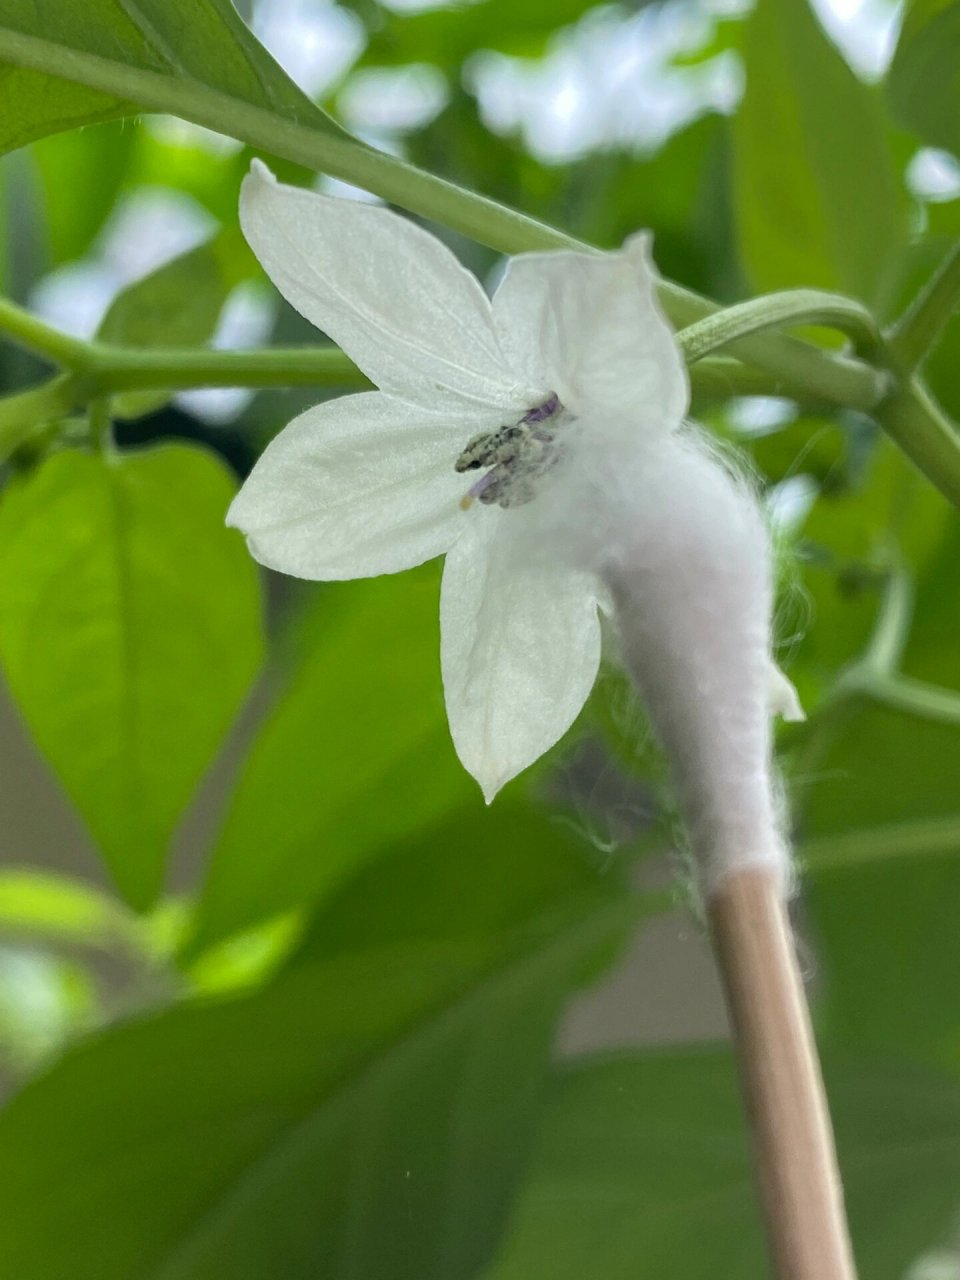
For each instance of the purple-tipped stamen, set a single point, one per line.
(542, 411)
(484, 483)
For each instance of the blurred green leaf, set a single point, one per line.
(681, 192)
(885, 515)
(878, 765)
(941, 368)
(924, 77)
(91, 165)
(882, 826)
(186, 161)
(447, 34)
(176, 305)
(130, 633)
(818, 198)
(44, 1000)
(355, 753)
(367, 1114)
(203, 42)
(642, 1171)
(884, 925)
(808, 446)
(38, 903)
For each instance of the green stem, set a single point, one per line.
(892, 628)
(779, 311)
(22, 414)
(915, 334)
(916, 697)
(878, 663)
(892, 840)
(101, 424)
(720, 377)
(798, 367)
(876, 675)
(28, 331)
(912, 418)
(112, 368)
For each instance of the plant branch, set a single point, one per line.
(719, 377)
(24, 413)
(104, 369)
(800, 370)
(927, 836)
(916, 697)
(794, 1154)
(778, 311)
(916, 333)
(892, 627)
(799, 367)
(914, 420)
(26, 330)
(114, 368)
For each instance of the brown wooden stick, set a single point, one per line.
(794, 1155)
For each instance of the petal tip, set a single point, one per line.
(490, 783)
(639, 246)
(489, 793)
(258, 181)
(260, 172)
(232, 518)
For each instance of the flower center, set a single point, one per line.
(517, 455)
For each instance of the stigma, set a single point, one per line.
(517, 455)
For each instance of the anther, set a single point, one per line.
(517, 454)
(491, 447)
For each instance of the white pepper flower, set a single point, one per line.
(519, 436)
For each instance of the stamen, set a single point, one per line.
(483, 484)
(545, 410)
(517, 454)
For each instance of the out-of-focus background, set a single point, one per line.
(302, 800)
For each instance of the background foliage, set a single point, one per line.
(322, 1042)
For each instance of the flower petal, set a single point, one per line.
(352, 488)
(519, 646)
(392, 295)
(590, 326)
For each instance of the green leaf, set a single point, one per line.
(176, 305)
(818, 201)
(446, 36)
(201, 43)
(886, 937)
(882, 844)
(681, 191)
(54, 907)
(365, 1115)
(44, 1001)
(924, 78)
(355, 753)
(642, 1171)
(91, 165)
(129, 633)
(886, 513)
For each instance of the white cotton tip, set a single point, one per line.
(783, 697)
(688, 560)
